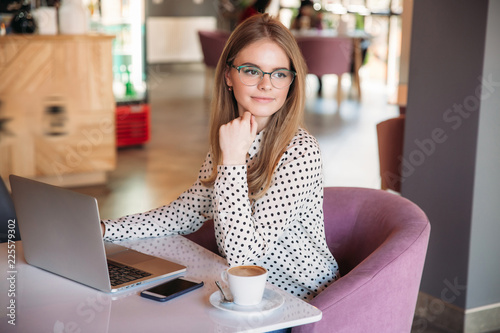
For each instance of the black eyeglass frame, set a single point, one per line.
(238, 68)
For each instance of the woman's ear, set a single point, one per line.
(227, 77)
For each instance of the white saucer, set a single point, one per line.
(270, 301)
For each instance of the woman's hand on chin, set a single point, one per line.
(236, 137)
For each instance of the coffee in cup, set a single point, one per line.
(246, 283)
(247, 270)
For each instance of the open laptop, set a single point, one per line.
(62, 234)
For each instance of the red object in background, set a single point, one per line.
(132, 125)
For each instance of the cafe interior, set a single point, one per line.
(411, 115)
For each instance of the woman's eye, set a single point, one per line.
(280, 75)
(251, 71)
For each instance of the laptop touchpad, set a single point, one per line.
(130, 257)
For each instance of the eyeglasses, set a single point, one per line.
(251, 76)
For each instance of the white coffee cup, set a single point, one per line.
(246, 283)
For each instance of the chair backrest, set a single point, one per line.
(8, 219)
(359, 221)
(390, 136)
(326, 55)
(212, 45)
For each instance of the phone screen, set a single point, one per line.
(171, 289)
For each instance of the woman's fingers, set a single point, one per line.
(252, 122)
(253, 127)
(236, 137)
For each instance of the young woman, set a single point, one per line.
(262, 180)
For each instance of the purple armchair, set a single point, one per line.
(380, 241)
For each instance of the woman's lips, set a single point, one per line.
(263, 99)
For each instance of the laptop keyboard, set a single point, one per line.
(119, 274)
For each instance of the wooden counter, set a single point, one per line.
(57, 108)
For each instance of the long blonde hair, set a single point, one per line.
(283, 124)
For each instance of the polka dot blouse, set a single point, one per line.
(282, 230)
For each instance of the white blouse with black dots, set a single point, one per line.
(282, 231)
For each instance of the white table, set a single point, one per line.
(45, 302)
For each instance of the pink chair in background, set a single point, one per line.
(380, 242)
(327, 55)
(390, 137)
(212, 44)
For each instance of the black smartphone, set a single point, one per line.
(171, 289)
